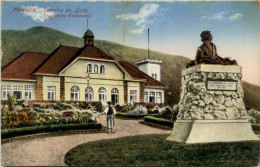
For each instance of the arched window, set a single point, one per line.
(74, 93)
(102, 94)
(102, 69)
(89, 68)
(89, 94)
(114, 96)
(95, 68)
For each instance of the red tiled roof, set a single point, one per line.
(138, 74)
(23, 66)
(60, 57)
(93, 52)
(64, 55)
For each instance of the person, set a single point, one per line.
(207, 53)
(110, 112)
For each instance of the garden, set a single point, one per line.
(18, 119)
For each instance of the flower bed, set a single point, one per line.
(46, 115)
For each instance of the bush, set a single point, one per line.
(98, 106)
(254, 116)
(159, 121)
(8, 133)
(127, 109)
(11, 101)
(118, 107)
(55, 107)
(140, 110)
(20, 102)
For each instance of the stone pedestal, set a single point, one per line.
(211, 107)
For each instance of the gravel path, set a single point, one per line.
(50, 151)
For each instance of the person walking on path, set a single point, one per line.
(110, 111)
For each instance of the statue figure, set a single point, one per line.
(207, 53)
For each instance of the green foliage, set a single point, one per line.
(132, 116)
(159, 121)
(127, 109)
(11, 101)
(155, 150)
(119, 108)
(20, 102)
(254, 116)
(8, 133)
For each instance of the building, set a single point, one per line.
(80, 74)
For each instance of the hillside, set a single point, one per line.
(45, 40)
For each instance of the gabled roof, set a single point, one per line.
(93, 52)
(23, 66)
(138, 74)
(57, 60)
(64, 55)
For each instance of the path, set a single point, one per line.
(50, 151)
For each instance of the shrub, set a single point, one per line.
(166, 113)
(159, 121)
(20, 102)
(118, 107)
(37, 105)
(11, 101)
(8, 133)
(98, 106)
(140, 110)
(254, 116)
(127, 109)
(55, 107)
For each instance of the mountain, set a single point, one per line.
(45, 40)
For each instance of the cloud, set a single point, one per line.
(224, 15)
(141, 18)
(235, 16)
(37, 13)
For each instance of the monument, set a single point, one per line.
(211, 107)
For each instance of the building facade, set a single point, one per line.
(79, 74)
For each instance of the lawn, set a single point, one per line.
(155, 150)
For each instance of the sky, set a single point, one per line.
(175, 27)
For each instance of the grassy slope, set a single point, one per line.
(45, 40)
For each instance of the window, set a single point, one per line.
(102, 69)
(133, 96)
(154, 76)
(51, 92)
(28, 92)
(74, 93)
(159, 97)
(89, 94)
(151, 97)
(89, 68)
(95, 68)
(146, 97)
(5, 90)
(18, 91)
(102, 94)
(114, 96)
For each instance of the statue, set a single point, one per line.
(207, 53)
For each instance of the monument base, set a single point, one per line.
(209, 131)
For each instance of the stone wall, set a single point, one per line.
(198, 102)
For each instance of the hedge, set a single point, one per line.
(159, 121)
(8, 133)
(256, 128)
(133, 116)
